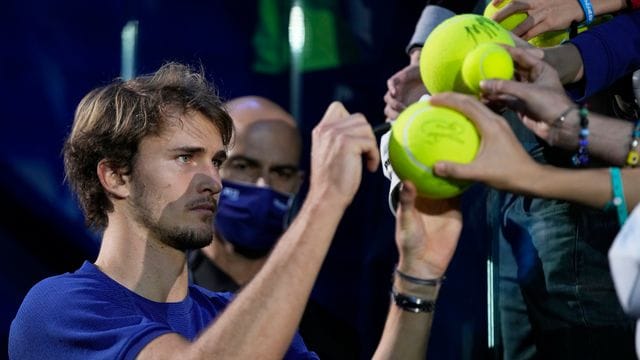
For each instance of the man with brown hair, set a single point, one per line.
(143, 157)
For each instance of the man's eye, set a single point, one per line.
(184, 158)
(217, 163)
(285, 174)
(238, 165)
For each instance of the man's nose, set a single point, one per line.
(210, 180)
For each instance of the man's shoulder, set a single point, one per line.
(49, 308)
(68, 287)
(68, 296)
(75, 314)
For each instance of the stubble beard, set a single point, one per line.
(182, 238)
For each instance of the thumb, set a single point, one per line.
(335, 112)
(494, 87)
(453, 170)
(406, 212)
(407, 199)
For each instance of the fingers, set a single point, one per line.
(337, 121)
(368, 144)
(335, 113)
(393, 107)
(407, 197)
(454, 170)
(526, 59)
(391, 86)
(390, 113)
(522, 28)
(510, 9)
(521, 43)
(360, 135)
(535, 30)
(477, 112)
(507, 91)
(407, 217)
(497, 102)
(538, 29)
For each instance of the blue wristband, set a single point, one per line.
(618, 200)
(587, 8)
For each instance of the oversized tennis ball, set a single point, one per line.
(449, 43)
(486, 61)
(511, 21)
(423, 135)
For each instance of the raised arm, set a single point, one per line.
(262, 320)
(427, 233)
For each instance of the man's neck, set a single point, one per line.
(239, 268)
(135, 259)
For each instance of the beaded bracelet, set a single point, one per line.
(581, 158)
(617, 200)
(633, 157)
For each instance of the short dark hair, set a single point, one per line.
(111, 121)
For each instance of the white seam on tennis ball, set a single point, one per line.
(405, 140)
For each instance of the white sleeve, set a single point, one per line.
(624, 261)
(394, 188)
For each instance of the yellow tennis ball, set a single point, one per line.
(423, 135)
(511, 21)
(486, 61)
(447, 46)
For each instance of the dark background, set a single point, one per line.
(54, 52)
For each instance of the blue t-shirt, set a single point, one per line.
(87, 315)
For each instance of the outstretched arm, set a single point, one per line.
(503, 163)
(549, 15)
(541, 101)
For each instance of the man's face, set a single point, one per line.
(175, 182)
(266, 153)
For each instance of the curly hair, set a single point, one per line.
(111, 121)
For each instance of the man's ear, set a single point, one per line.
(113, 180)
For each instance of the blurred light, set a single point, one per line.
(490, 306)
(296, 29)
(129, 38)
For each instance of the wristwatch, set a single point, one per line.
(413, 304)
